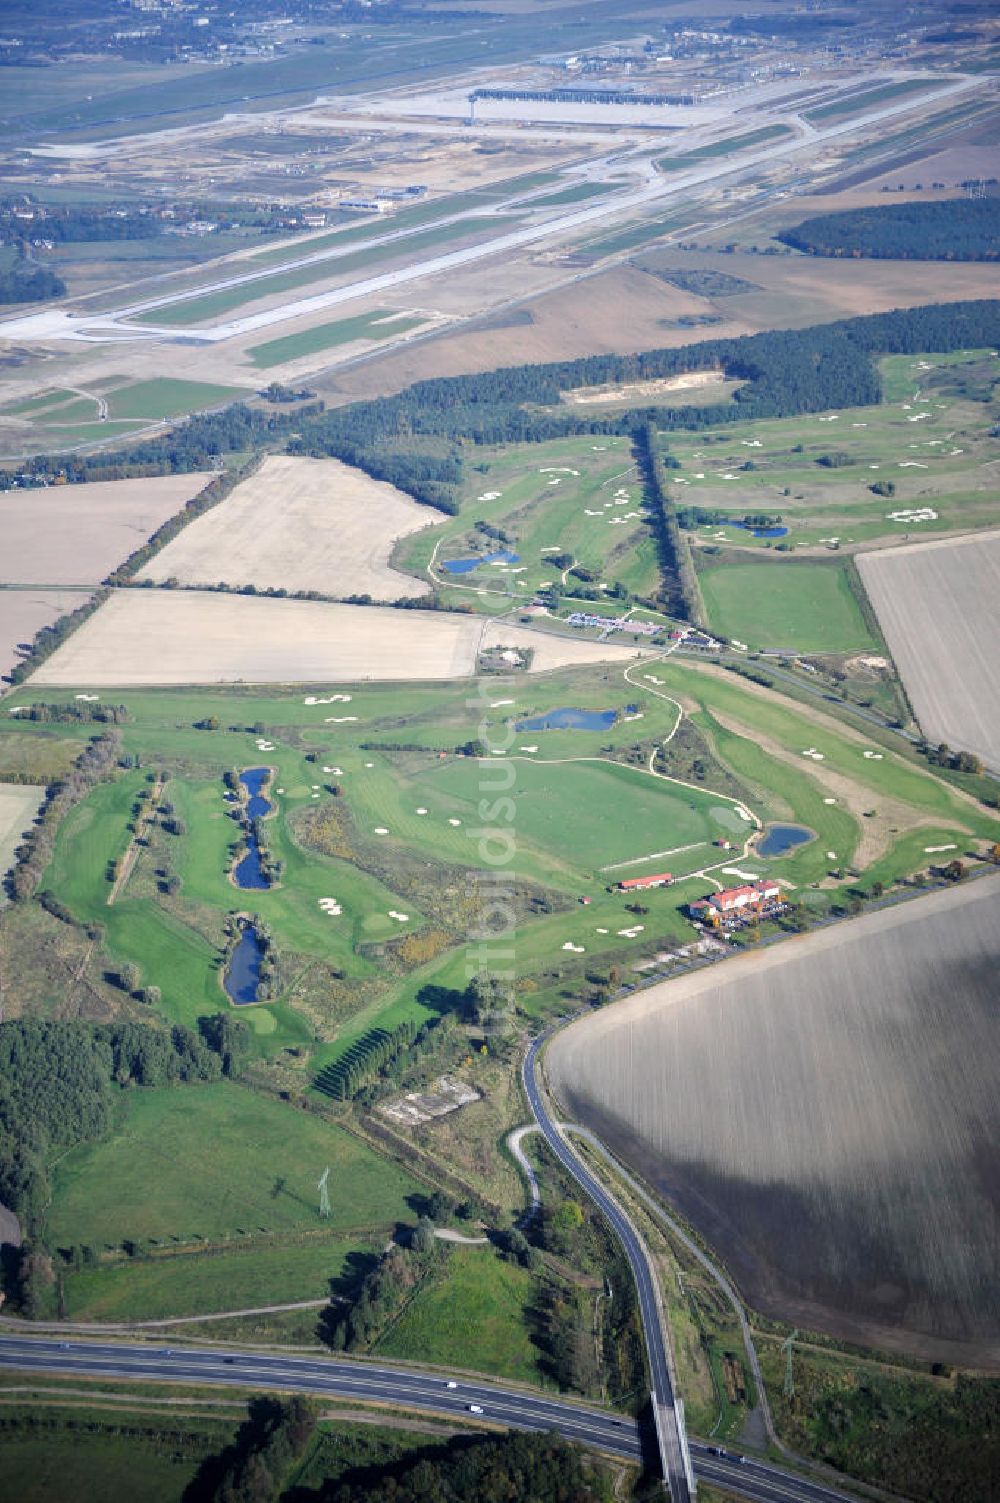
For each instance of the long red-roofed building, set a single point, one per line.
(637, 884)
(733, 902)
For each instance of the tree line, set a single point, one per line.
(419, 439)
(958, 229)
(58, 1082)
(99, 761)
(679, 594)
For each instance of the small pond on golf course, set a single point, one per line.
(762, 532)
(247, 873)
(569, 719)
(780, 839)
(243, 971)
(466, 565)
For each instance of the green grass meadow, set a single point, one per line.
(475, 1314)
(298, 1267)
(381, 323)
(218, 1161)
(794, 606)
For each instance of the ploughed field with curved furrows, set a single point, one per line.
(826, 1115)
(936, 603)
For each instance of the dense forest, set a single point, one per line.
(73, 223)
(963, 229)
(24, 281)
(542, 1468)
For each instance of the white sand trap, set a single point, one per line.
(490, 496)
(829, 801)
(330, 906)
(89, 697)
(577, 949)
(329, 699)
(401, 918)
(871, 756)
(337, 771)
(421, 811)
(556, 469)
(279, 790)
(339, 719)
(602, 931)
(912, 464)
(381, 830)
(831, 855)
(528, 748)
(369, 764)
(555, 481)
(737, 871)
(495, 705)
(632, 933)
(314, 795)
(932, 850)
(314, 785)
(554, 547)
(744, 813)
(300, 524)
(455, 822)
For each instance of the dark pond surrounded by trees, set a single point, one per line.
(242, 974)
(247, 872)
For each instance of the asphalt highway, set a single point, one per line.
(670, 1419)
(397, 1388)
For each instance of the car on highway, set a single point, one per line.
(475, 1408)
(451, 1383)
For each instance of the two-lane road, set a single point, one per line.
(397, 1388)
(669, 1417)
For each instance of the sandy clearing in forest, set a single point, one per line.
(936, 604)
(190, 637)
(76, 534)
(300, 524)
(23, 612)
(19, 803)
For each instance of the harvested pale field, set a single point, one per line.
(24, 612)
(18, 806)
(185, 637)
(937, 606)
(76, 534)
(551, 651)
(826, 1114)
(300, 524)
